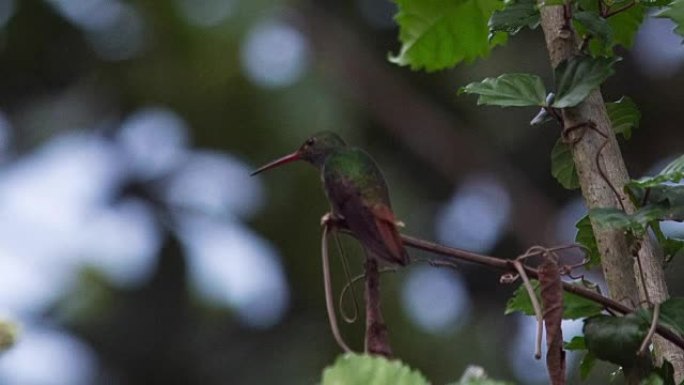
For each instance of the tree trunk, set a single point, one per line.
(632, 276)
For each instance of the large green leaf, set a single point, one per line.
(586, 365)
(515, 16)
(585, 237)
(591, 23)
(509, 90)
(671, 314)
(624, 116)
(675, 12)
(615, 339)
(356, 369)
(577, 77)
(673, 172)
(612, 218)
(625, 25)
(563, 166)
(661, 202)
(574, 306)
(438, 34)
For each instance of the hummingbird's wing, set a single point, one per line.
(357, 190)
(386, 224)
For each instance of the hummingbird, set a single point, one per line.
(356, 190)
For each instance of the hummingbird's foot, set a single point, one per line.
(331, 219)
(400, 224)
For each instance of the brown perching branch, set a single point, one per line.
(508, 265)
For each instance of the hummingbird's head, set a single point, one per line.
(314, 150)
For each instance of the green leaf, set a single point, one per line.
(637, 222)
(515, 16)
(611, 218)
(624, 116)
(585, 237)
(615, 339)
(587, 364)
(357, 369)
(509, 90)
(563, 166)
(595, 25)
(574, 306)
(577, 77)
(520, 301)
(625, 25)
(652, 379)
(438, 34)
(675, 12)
(672, 247)
(666, 373)
(576, 343)
(672, 314)
(673, 172)
(661, 202)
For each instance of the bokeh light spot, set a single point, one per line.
(476, 215)
(48, 357)
(435, 299)
(567, 218)
(123, 39)
(5, 136)
(7, 8)
(274, 54)
(658, 50)
(205, 13)
(122, 242)
(154, 141)
(206, 183)
(231, 266)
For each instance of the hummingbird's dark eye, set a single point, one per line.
(310, 141)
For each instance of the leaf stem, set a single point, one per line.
(651, 330)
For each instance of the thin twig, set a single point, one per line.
(535, 305)
(350, 283)
(651, 331)
(327, 284)
(347, 276)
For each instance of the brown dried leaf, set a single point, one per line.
(552, 305)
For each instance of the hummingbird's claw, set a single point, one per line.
(325, 219)
(400, 224)
(330, 218)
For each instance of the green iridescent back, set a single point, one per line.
(351, 171)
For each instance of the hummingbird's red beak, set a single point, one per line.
(286, 159)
